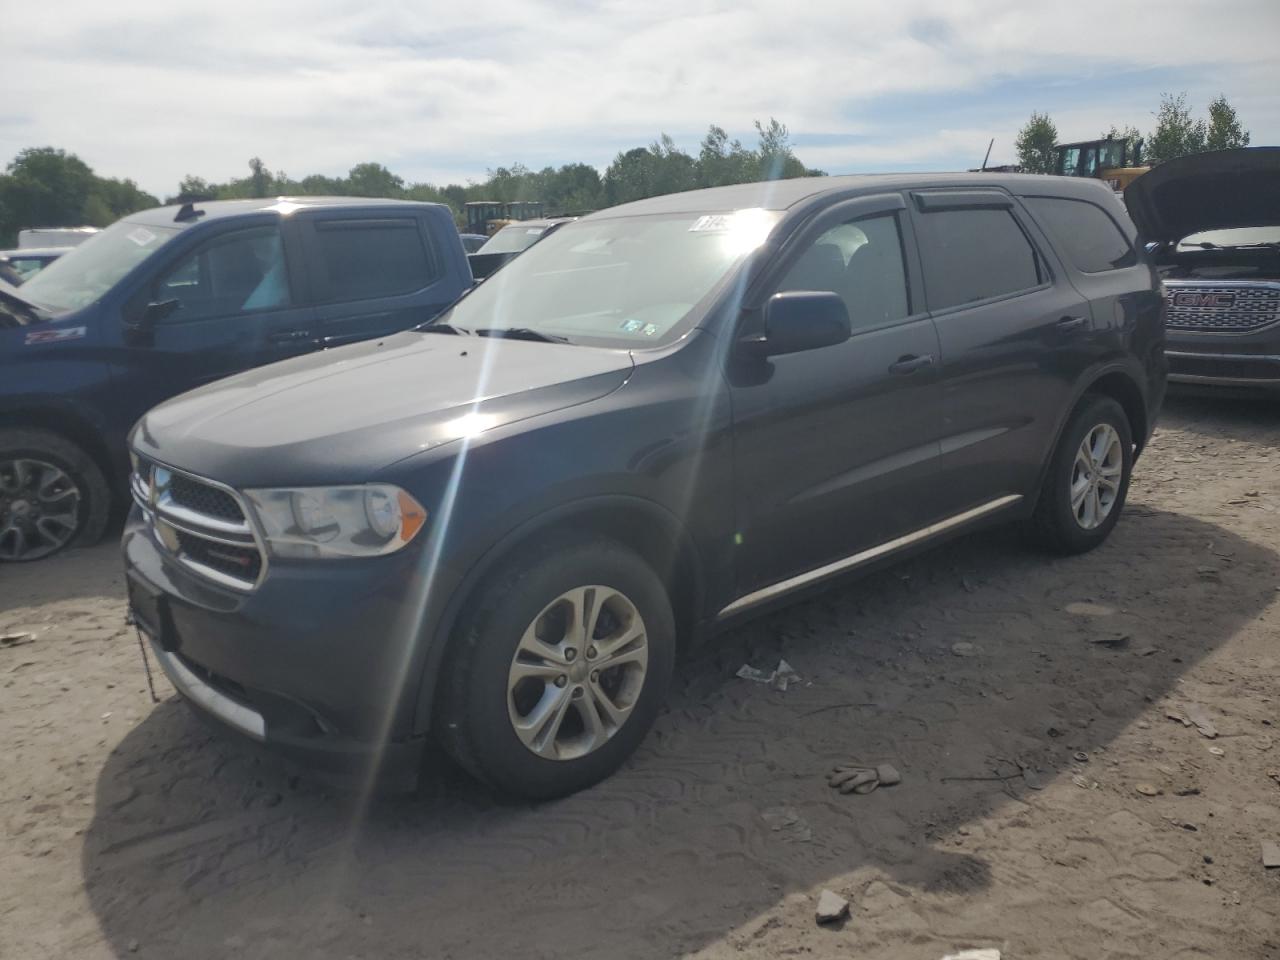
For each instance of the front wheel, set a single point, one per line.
(1088, 479)
(52, 495)
(559, 669)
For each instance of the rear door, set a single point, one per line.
(235, 304)
(1014, 338)
(373, 275)
(835, 448)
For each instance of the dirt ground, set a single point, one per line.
(129, 829)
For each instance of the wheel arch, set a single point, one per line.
(653, 531)
(69, 425)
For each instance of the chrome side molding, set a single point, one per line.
(866, 556)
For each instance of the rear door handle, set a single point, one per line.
(1072, 324)
(910, 364)
(288, 336)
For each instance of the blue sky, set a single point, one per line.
(442, 92)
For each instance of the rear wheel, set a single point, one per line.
(1088, 479)
(561, 666)
(52, 495)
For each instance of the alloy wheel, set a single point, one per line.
(1095, 476)
(39, 508)
(577, 672)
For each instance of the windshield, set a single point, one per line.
(1239, 236)
(86, 272)
(513, 239)
(624, 282)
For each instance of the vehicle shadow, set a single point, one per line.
(1215, 414)
(202, 848)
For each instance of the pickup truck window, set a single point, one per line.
(367, 259)
(975, 254)
(861, 262)
(86, 272)
(230, 274)
(1089, 237)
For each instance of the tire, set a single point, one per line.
(481, 702)
(1058, 524)
(56, 512)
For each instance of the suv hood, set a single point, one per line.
(341, 415)
(1207, 191)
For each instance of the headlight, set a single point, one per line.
(327, 522)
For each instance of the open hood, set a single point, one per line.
(1207, 191)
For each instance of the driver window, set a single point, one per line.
(861, 262)
(234, 273)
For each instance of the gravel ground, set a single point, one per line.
(1049, 807)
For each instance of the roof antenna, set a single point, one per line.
(988, 156)
(187, 212)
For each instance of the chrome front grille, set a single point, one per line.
(202, 525)
(1229, 306)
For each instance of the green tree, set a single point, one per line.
(193, 189)
(1177, 133)
(1035, 143)
(259, 178)
(373, 180)
(1225, 130)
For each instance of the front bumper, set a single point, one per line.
(1241, 361)
(316, 663)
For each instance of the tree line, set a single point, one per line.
(1177, 133)
(47, 187)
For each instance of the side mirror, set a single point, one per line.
(800, 320)
(138, 328)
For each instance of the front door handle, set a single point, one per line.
(288, 336)
(910, 364)
(1072, 324)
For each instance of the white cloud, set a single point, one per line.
(444, 91)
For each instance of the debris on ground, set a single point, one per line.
(788, 822)
(1217, 751)
(16, 639)
(831, 907)
(1148, 790)
(1080, 757)
(1118, 642)
(985, 953)
(1270, 854)
(964, 649)
(1202, 722)
(850, 778)
(781, 677)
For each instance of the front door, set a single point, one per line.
(834, 447)
(232, 306)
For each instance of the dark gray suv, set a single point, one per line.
(499, 528)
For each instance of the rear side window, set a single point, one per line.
(972, 255)
(1089, 237)
(367, 259)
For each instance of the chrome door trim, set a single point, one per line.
(866, 556)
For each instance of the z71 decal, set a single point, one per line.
(53, 336)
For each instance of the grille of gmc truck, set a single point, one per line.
(1228, 306)
(202, 525)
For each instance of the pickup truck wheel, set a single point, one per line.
(560, 669)
(1088, 479)
(52, 495)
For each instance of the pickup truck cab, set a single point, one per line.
(173, 298)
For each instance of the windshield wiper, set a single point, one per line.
(444, 328)
(521, 333)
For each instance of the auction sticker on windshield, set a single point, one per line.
(142, 236)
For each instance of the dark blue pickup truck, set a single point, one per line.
(172, 298)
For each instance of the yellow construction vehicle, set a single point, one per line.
(1117, 161)
(490, 216)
